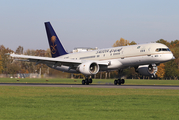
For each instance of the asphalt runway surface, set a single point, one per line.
(92, 85)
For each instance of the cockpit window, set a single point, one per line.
(162, 49)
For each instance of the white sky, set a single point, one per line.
(82, 23)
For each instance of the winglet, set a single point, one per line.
(54, 43)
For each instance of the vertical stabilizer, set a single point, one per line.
(54, 43)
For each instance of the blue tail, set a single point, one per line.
(54, 43)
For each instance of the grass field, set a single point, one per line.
(95, 81)
(55, 103)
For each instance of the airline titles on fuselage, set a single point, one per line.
(109, 51)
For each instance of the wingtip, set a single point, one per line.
(7, 53)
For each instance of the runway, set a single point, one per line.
(92, 86)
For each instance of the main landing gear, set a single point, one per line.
(119, 82)
(87, 81)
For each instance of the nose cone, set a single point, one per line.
(173, 57)
(167, 57)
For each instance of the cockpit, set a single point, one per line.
(162, 49)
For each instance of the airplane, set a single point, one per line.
(143, 57)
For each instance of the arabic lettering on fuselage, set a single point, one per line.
(109, 51)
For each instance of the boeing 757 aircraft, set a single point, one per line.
(144, 58)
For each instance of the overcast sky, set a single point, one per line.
(87, 23)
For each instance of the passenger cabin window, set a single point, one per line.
(116, 53)
(142, 50)
(162, 49)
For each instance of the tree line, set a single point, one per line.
(168, 70)
(11, 66)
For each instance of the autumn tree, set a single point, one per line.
(171, 70)
(40, 53)
(9, 65)
(28, 67)
(1, 67)
(13, 68)
(130, 73)
(48, 53)
(174, 47)
(163, 42)
(174, 44)
(161, 71)
(5, 58)
(19, 50)
(32, 66)
(121, 42)
(132, 43)
(30, 52)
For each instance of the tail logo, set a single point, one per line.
(53, 49)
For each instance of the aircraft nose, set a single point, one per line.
(168, 57)
(173, 57)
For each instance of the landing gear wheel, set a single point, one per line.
(115, 82)
(90, 80)
(122, 81)
(87, 82)
(83, 82)
(119, 81)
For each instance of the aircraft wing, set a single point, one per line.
(53, 61)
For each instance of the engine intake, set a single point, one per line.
(88, 68)
(147, 70)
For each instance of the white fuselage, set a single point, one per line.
(122, 57)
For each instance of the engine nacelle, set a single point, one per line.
(147, 70)
(88, 68)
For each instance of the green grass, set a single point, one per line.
(95, 81)
(55, 103)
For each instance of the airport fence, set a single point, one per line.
(21, 75)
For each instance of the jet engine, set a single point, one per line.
(147, 70)
(88, 68)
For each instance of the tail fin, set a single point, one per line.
(54, 43)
